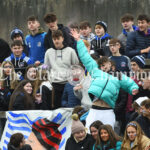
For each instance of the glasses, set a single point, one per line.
(7, 67)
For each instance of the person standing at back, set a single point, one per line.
(100, 44)
(59, 61)
(127, 22)
(35, 40)
(138, 42)
(17, 35)
(52, 23)
(86, 31)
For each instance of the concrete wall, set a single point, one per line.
(13, 13)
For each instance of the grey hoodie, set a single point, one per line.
(60, 62)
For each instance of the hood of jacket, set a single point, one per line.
(125, 32)
(39, 32)
(103, 37)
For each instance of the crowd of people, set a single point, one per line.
(111, 104)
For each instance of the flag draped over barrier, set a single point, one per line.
(41, 129)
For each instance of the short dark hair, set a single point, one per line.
(57, 34)
(143, 17)
(127, 17)
(114, 41)
(32, 18)
(16, 139)
(84, 25)
(48, 18)
(146, 103)
(74, 25)
(103, 60)
(16, 43)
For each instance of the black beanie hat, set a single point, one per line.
(16, 31)
(140, 60)
(103, 24)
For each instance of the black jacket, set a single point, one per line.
(121, 105)
(68, 39)
(4, 50)
(86, 144)
(4, 99)
(19, 103)
(142, 92)
(25, 147)
(144, 122)
(136, 41)
(101, 46)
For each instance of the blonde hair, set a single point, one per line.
(13, 76)
(139, 133)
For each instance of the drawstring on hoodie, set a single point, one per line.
(18, 61)
(58, 56)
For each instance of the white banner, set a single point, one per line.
(25, 121)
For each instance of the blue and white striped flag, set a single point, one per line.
(22, 121)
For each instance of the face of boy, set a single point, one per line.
(106, 66)
(58, 42)
(145, 112)
(134, 66)
(17, 38)
(17, 50)
(85, 32)
(143, 25)
(33, 25)
(114, 48)
(127, 25)
(52, 26)
(99, 30)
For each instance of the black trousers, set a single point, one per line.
(57, 92)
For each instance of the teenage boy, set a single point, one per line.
(127, 22)
(100, 44)
(105, 64)
(52, 23)
(100, 90)
(17, 34)
(85, 31)
(138, 42)
(137, 67)
(35, 40)
(122, 62)
(18, 58)
(144, 118)
(60, 60)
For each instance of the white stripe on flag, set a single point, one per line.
(21, 121)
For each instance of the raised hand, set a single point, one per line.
(75, 34)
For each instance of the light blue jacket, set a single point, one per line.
(104, 86)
